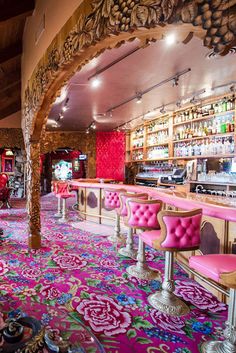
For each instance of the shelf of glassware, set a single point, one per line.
(205, 117)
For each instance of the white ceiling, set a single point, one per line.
(139, 71)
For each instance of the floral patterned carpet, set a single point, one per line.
(80, 273)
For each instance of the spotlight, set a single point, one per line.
(162, 110)
(93, 126)
(170, 39)
(87, 131)
(175, 81)
(61, 116)
(178, 104)
(95, 82)
(64, 109)
(193, 100)
(139, 99)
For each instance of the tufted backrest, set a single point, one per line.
(180, 229)
(112, 200)
(123, 211)
(62, 188)
(143, 213)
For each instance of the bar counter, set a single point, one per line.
(218, 229)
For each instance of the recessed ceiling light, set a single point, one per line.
(170, 39)
(95, 82)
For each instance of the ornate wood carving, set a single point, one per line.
(86, 143)
(216, 18)
(33, 194)
(101, 24)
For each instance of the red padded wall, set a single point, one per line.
(110, 155)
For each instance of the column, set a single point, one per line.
(33, 194)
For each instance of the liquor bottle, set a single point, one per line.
(216, 108)
(224, 105)
(223, 126)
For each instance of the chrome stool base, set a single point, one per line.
(168, 303)
(218, 347)
(144, 272)
(128, 253)
(63, 220)
(115, 239)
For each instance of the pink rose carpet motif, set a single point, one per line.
(77, 275)
(104, 315)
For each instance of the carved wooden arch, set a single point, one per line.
(100, 24)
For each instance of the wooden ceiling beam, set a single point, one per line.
(16, 8)
(10, 52)
(10, 109)
(8, 79)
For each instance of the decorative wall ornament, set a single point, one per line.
(10, 138)
(104, 24)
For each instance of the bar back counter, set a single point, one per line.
(218, 230)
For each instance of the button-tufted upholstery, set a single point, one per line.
(123, 211)
(112, 200)
(143, 214)
(182, 232)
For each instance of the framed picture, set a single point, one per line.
(8, 165)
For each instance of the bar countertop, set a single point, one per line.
(213, 206)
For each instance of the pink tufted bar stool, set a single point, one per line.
(112, 202)
(222, 269)
(62, 193)
(142, 214)
(180, 231)
(54, 190)
(128, 250)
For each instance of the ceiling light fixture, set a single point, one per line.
(170, 39)
(162, 110)
(64, 109)
(140, 94)
(96, 82)
(178, 104)
(138, 98)
(175, 81)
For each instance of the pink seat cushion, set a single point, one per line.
(150, 236)
(213, 265)
(64, 196)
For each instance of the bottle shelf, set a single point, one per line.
(205, 156)
(137, 137)
(204, 137)
(156, 131)
(158, 159)
(206, 117)
(137, 148)
(158, 144)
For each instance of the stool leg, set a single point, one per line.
(129, 250)
(229, 344)
(141, 270)
(116, 237)
(165, 300)
(58, 214)
(64, 217)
